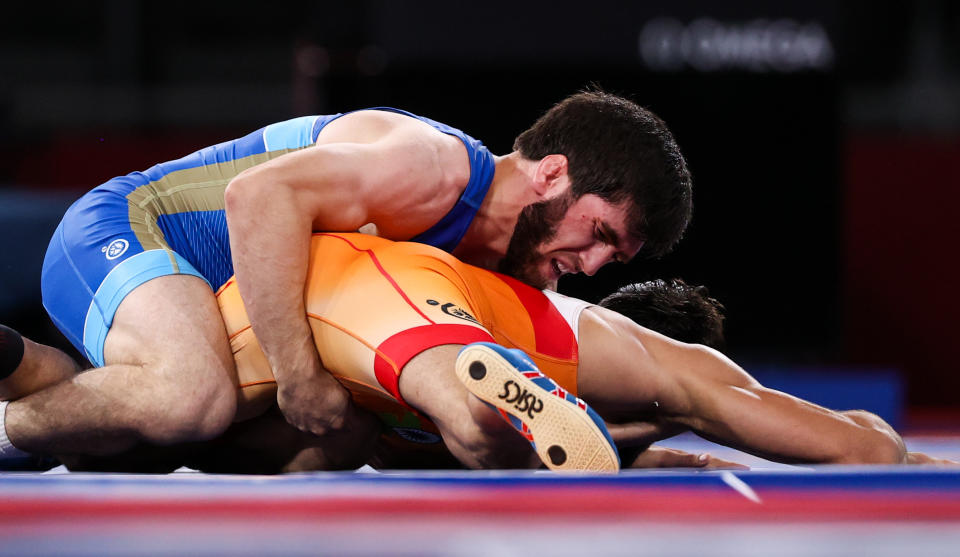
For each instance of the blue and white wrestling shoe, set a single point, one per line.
(566, 433)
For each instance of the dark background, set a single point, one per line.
(824, 137)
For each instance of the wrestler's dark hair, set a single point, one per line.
(618, 151)
(672, 308)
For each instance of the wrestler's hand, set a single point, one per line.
(921, 458)
(315, 402)
(662, 457)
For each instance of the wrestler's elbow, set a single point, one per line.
(881, 449)
(877, 442)
(241, 194)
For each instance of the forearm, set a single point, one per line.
(777, 426)
(269, 241)
(723, 403)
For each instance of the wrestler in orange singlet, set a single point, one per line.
(375, 305)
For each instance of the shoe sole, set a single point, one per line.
(566, 438)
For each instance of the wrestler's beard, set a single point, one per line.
(536, 225)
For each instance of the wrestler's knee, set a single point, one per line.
(193, 404)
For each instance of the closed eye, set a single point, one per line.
(599, 234)
(606, 235)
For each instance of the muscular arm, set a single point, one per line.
(368, 167)
(625, 366)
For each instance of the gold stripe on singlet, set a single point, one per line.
(183, 191)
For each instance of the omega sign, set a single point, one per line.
(759, 45)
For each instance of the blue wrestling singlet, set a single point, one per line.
(170, 220)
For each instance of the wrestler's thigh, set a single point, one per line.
(171, 324)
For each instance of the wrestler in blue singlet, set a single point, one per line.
(170, 220)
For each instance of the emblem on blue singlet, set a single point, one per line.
(116, 248)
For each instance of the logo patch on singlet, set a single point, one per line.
(116, 248)
(454, 310)
(417, 435)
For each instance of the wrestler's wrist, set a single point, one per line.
(296, 365)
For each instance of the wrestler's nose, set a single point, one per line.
(597, 256)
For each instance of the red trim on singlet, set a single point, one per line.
(553, 334)
(386, 275)
(224, 287)
(403, 346)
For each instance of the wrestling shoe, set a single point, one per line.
(566, 433)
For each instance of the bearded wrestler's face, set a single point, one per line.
(563, 235)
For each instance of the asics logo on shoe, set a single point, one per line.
(522, 400)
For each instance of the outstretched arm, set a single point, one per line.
(368, 167)
(663, 457)
(624, 367)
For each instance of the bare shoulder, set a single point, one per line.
(399, 132)
(419, 171)
(610, 341)
(368, 126)
(639, 361)
(612, 332)
(603, 331)
(613, 350)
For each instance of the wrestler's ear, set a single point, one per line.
(550, 178)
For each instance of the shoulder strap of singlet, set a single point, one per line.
(569, 308)
(449, 230)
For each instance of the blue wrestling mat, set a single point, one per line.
(824, 510)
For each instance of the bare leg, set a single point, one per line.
(41, 367)
(474, 433)
(169, 378)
